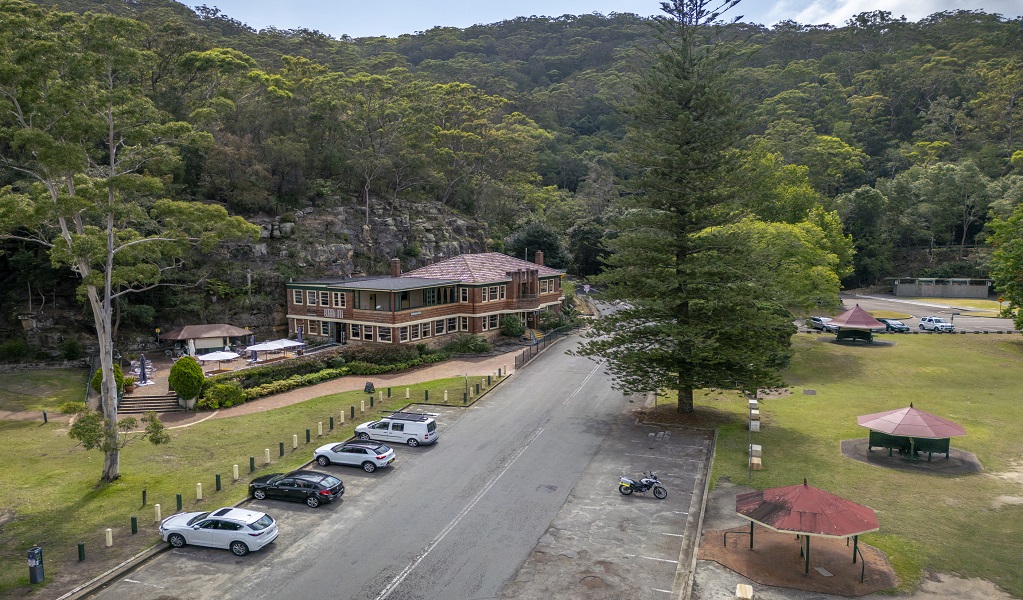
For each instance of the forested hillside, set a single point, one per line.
(905, 136)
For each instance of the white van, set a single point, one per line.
(401, 428)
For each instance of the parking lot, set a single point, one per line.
(606, 545)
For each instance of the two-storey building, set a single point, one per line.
(470, 293)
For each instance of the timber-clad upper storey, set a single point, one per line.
(468, 293)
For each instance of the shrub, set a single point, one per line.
(73, 408)
(224, 395)
(467, 343)
(71, 349)
(186, 377)
(97, 379)
(13, 350)
(512, 326)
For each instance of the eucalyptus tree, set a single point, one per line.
(90, 155)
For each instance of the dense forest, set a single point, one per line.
(900, 141)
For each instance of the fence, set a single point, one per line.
(539, 345)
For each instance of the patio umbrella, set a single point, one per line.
(191, 347)
(219, 357)
(807, 511)
(143, 378)
(911, 422)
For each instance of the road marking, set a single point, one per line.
(393, 585)
(660, 590)
(160, 587)
(593, 372)
(674, 534)
(651, 558)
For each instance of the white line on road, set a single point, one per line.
(660, 590)
(593, 372)
(159, 587)
(667, 560)
(393, 585)
(673, 534)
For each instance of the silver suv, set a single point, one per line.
(936, 324)
(366, 454)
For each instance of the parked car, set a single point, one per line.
(936, 324)
(401, 427)
(311, 487)
(367, 454)
(239, 529)
(894, 325)
(821, 324)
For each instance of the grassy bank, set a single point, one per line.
(952, 524)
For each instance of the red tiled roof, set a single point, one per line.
(856, 318)
(806, 509)
(487, 267)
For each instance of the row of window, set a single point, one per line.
(383, 334)
(490, 294)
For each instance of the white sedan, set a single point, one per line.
(239, 529)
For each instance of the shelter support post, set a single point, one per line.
(807, 572)
(751, 535)
(856, 541)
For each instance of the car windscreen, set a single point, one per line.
(197, 518)
(262, 523)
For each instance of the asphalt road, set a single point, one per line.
(453, 520)
(962, 317)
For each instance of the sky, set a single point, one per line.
(395, 17)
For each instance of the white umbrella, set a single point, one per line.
(219, 356)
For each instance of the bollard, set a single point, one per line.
(179, 502)
(218, 482)
(465, 397)
(445, 396)
(110, 537)
(488, 380)
(45, 420)
(198, 491)
(477, 389)
(332, 423)
(388, 392)
(143, 497)
(282, 448)
(134, 525)
(505, 369)
(156, 511)
(499, 373)
(426, 395)
(407, 391)
(319, 428)
(380, 396)
(307, 436)
(342, 417)
(252, 464)
(353, 411)
(371, 401)
(294, 441)
(362, 406)
(35, 565)
(81, 551)
(235, 473)
(266, 455)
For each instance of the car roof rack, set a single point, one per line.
(410, 416)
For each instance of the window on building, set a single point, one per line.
(403, 334)
(452, 324)
(463, 323)
(431, 296)
(485, 294)
(494, 321)
(384, 334)
(367, 333)
(504, 291)
(438, 327)
(324, 298)
(356, 331)
(296, 296)
(337, 299)
(310, 298)
(493, 292)
(425, 327)
(413, 331)
(324, 327)
(463, 294)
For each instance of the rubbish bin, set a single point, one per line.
(35, 565)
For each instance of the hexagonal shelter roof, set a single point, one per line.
(856, 318)
(911, 422)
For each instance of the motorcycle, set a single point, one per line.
(626, 486)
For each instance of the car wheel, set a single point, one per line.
(312, 501)
(176, 539)
(239, 548)
(323, 461)
(368, 467)
(363, 436)
(259, 494)
(412, 442)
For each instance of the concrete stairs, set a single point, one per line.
(136, 404)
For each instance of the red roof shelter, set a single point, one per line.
(910, 430)
(806, 511)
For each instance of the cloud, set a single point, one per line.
(837, 12)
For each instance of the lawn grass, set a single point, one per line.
(42, 389)
(52, 496)
(928, 522)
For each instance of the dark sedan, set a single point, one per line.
(310, 487)
(894, 326)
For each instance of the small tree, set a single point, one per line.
(186, 377)
(97, 379)
(511, 326)
(93, 431)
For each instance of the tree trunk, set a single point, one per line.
(685, 400)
